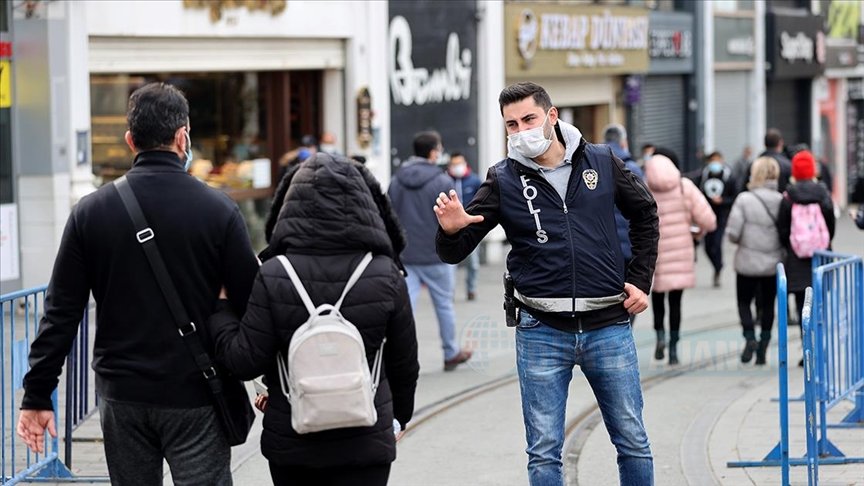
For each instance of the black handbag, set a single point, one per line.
(230, 400)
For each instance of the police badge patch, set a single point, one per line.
(590, 178)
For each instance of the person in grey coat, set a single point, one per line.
(753, 227)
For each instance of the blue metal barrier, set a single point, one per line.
(846, 315)
(811, 382)
(17, 462)
(835, 319)
(779, 455)
(838, 321)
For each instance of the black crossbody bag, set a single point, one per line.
(230, 399)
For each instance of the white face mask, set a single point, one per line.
(530, 143)
(458, 170)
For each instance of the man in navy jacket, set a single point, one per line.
(155, 404)
(415, 185)
(555, 195)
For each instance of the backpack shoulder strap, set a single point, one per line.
(298, 285)
(354, 278)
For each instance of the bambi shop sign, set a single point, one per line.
(556, 40)
(416, 85)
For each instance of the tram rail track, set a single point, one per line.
(578, 429)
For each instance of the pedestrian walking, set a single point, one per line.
(554, 196)
(775, 148)
(615, 136)
(684, 214)
(720, 189)
(858, 216)
(155, 404)
(753, 227)
(414, 186)
(466, 183)
(741, 169)
(806, 224)
(330, 219)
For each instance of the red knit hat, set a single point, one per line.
(803, 166)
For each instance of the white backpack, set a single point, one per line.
(329, 385)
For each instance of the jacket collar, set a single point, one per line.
(161, 160)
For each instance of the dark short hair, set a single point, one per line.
(457, 154)
(154, 114)
(426, 142)
(647, 146)
(773, 137)
(308, 141)
(714, 155)
(614, 133)
(519, 91)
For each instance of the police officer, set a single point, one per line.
(555, 196)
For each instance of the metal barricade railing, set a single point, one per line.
(779, 454)
(839, 298)
(20, 313)
(834, 313)
(838, 354)
(811, 383)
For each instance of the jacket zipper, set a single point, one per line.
(572, 248)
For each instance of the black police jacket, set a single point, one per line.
(566, 248)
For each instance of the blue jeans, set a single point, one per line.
(439, 279)
(472, 264)
(545, 358)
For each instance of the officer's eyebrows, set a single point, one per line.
(525, 118)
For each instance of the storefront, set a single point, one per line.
(9, 254)
(661, 113)
(795, 52)
(580, 54)
(855, 142)
(259, 77)
(839, 100)
(433, 77)
(734, 62)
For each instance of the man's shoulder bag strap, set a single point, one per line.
(145, 235)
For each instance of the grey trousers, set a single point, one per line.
(138, 437)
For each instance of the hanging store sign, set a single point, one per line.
(433, 82)
(842, 33)
(670, 43)
(218, 7)
(564, 40)
(734, 42)
(796, 46)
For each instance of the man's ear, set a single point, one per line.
(180, 139)
(553, 115)
(129, 142)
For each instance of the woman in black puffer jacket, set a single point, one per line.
(328, 221)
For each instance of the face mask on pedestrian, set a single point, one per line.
(715, 167)
(459, 170)
(531, 143)
(328, 148)
(188, 152)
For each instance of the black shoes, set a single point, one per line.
(761, 351)
(749, 348)
(673, 354)
(661, 345)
